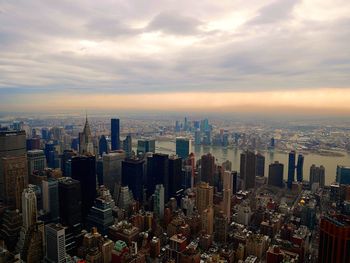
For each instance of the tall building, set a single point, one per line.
(15, 178)
(84, 170)
(276, 174)
(158, 202)
(317, 175)
(100, 215)
(69, 201)
(334, 239)
(158, 173)
(132, 176)
(29, 208)
(221, 228)
(197, 137)
(207, 217)
(12, 143)
(227, 193)
(85, 140)
(102, 145)
(145, 146)
(183, 147)
(52, 155)
(112, 169)
(291, 169)
(55, 243)
(127, 146)
(33, 144)
(208, 168)
(115, 134)
(248, 169)
(175, 173)
(300, 168)
(260, 165)
(50, 198)
(204, 196)
(10, 227)
(36, 161)
(343, 174)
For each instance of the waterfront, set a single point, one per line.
(233, 154)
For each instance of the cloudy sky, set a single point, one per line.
(208, 55)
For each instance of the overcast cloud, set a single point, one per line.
(139, 46)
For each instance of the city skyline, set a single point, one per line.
(234, 56)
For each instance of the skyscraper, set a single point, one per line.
(69, 201)
(175, 173)
(300, 167)
(112, 169)
(158, 202)
(36, 161)
(197, 137)
(343, 174)
(227, 192)
(145, 146)
(50, 198)
(132, 176)
(55, 243)
(158, 173)
(12, 143)
(334, 239)
(208, 168)
(276, 174)
(84, 170)
(248, 169)
(291, 169)
(102, 145)
(85, 140)
(115, 134)
(204, 196)
(260, 165)
(317, 175)
(127, 146)
(183, 147)
(29, 208)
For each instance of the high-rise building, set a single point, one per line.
(84, 170)
(291, 169)
(36, 161)
(300, 168)
(127, 146)
(197, 137)
(145, 146)
(10, 227)
(276, 174)
(260, 165)
(100, 215)
(175, 173)
(33, 144)
(343, 174)
(12, 143)
(221, 228)
(248, 169)
(52, 155)
(69, 201)
(204, 196)
(208, 168)
(55, 243)
(207, 217)
(158, 202)
(112, 169)
(102, 145)
(29, 208)
(15, 179)
(115, 134)
(317, 175)
(183, 147)
(66, 162)
(158, 173)
(50, 198)
(227, 193)
(132, 176)
(85, 140)
(334, 239)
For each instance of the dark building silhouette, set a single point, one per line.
(175, 175)
(66, 163)
(276, 174)
(300, 168)
(260, 165)
(115, 134)
(291, 169)
(127, 146)
(33, 144)
(208, 168)
(102, 145)
(334, 244)
(248, 169)
(132, 176)
(84, 170)
(158, 173)
(69, 195)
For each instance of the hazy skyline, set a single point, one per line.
(226, 56)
